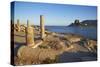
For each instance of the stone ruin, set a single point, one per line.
(17, 26)
(29, 35)
(42, 28)
(29, 31)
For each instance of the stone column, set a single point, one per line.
(42, 28)
(18, 25)
(29, 35)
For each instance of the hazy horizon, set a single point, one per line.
(54, 14)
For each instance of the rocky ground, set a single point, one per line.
(55, 48)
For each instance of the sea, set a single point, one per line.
(87, 32)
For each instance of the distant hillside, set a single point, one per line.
(90, 22)
(84, 23)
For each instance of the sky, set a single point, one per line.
(54, 14)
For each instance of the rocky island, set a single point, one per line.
(85, 23)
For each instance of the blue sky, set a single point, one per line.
(54, 14)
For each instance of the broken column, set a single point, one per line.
(42, 28)
(29, 35)
(18, 26)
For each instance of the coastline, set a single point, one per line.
(54, 45)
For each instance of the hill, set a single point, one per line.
(92, 23)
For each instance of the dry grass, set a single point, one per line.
(27, 55)
(49, 50)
